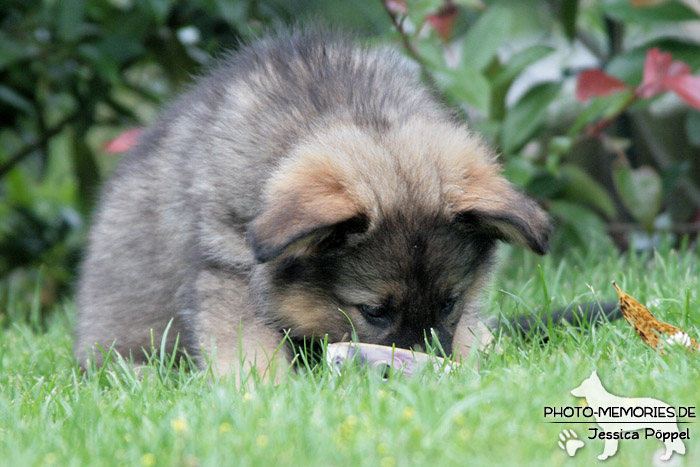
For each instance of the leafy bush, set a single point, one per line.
(72, 73)
(76, 73)
(515, 69)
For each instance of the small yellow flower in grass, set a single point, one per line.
(262, 441)
(350, 422)
(179, 424)
(387, 462)
(50, 458)
(542, 432)
(381, 393)
(346, 430)
(247, 397)
(224, 427)
(408, 413)
(148, 460)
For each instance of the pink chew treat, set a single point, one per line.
(382, 357)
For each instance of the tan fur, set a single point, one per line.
(233, 340)
(343, 171)
(306, 314)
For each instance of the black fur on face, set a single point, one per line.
(395, 282)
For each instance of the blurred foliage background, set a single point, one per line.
(621, 168)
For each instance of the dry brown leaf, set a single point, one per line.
(649, 328)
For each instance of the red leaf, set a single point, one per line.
(592, 83)
(646, 3)
(443, 21)
(687, 87)
(396, 6)
(658, 67)
(124, 141)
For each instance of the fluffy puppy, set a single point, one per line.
(307, 185)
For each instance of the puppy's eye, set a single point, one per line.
(374, 314)
(448, 306)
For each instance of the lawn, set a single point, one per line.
(51, 413)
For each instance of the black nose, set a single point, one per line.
(439, 339)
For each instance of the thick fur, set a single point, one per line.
(303, 182)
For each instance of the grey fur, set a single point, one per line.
(193, 225)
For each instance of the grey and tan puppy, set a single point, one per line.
(306, 185)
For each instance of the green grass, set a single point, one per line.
(50, 413)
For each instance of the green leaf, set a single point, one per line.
(105, 66)
(158, 9)
(419, 9)
(673, 174)
(16, 100)
(580, 187)
(502, 76)
(519, 171)
(640, 192)
(470, 3)
(560, 145)
(581, 223)
(13, 50)
(569, 11)
(489, 129)
(234, 13)
(119, 49)
(431, 53)
(485, 36)
(467, 86)
(692, 127)
(86, 172)
(598, 108)
(526, 116)
(624, 11)
(70, 16)
(544, 184)
(518, 62)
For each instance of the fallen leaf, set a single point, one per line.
(648, 328)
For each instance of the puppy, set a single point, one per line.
(307, 186)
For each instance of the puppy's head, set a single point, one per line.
(389, 235)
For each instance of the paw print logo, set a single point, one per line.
(569, 442)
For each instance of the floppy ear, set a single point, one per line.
(302, 215)
(494, 206)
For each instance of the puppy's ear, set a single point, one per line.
(301, 216)
(493, 206)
